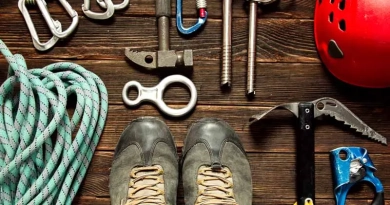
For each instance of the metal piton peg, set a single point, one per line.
(226, 72)
(251, 62)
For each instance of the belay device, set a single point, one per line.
(356, 167)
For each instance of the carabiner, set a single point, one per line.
(120, 6)
(201, 6)
(46, 15)
(37, 44)
(98, 16)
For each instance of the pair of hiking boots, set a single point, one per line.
(214, 166)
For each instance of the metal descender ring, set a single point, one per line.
(155, 95)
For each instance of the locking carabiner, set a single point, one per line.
(120, 6)
(36, 42)
(46, 15)
(98, 16)
(201, 6)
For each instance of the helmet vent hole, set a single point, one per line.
(319, 1)
(342, 5)
(331, 1)
(331, 17)
(342, 25)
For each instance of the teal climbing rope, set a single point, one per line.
(45, 152)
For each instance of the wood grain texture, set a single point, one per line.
(103, 201)
(263, 165)
(140, 34)
(286, 9)
(288, 69)
(274, 134)
(276, 83)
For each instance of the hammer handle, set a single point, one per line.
(305, 153)
(163, 8)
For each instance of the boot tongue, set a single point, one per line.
(216, 167)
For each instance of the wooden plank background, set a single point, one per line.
(288, 69)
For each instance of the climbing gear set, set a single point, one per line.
(155, 95)
(54, 25)
(306, 112)
(353, 168)
(40, 161)
(41, 168)
(202, 13)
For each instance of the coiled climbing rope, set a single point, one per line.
(40, 161)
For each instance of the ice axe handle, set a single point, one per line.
(305, 154)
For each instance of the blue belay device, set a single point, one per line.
(355, 167)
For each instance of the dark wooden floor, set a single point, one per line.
(288, 70)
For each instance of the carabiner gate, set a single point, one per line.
(46, 15)
(201, 6)
(120, 6)
(37, 44)
(99, 16)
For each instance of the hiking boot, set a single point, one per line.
(215, 168)
(145, 166)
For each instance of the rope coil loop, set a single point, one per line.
(40, 161)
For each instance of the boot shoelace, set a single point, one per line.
(215, 186)
(146, 186)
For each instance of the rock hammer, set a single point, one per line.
(306, 112)
(164, 57)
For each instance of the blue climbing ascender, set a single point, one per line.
(352, 165)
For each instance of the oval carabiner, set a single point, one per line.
(201, 6)
(98, 16)
(46, 15)
(120, 6)
(30, 25)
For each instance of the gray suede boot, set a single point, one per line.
(145, 166)
(215, 168)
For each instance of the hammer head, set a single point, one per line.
(331, 107)
(161, 59)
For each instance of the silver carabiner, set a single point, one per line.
(36, 42)
(120, 6)
(46, 15)
(99, 16)
(155, 95)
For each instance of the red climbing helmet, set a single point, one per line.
(353, 40)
